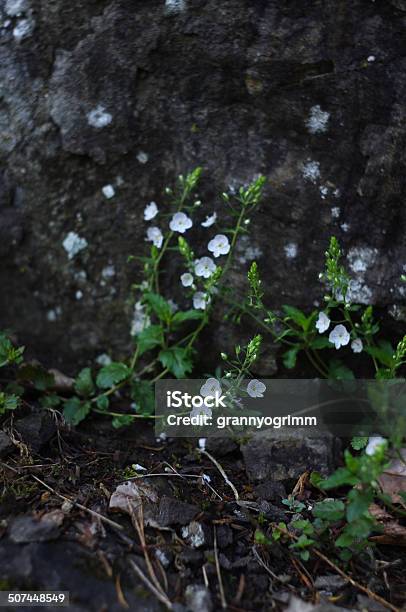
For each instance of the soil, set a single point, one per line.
(201, 547)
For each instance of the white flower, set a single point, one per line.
(209, 220)
(374, 443)
(180, 223)
(186, 279)
(202, 443)
(140, 320)
(339, 336)
(357, 345)
(200, 300)
(201, 411)
(256, 388)
(150, 211)
(219, 245)
(210, 387)
(155, 236)
(205, 267)
(323, 322)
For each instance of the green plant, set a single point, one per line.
(9, 356)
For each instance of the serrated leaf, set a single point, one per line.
(112, 374)
(122, 421)
(290, 357)
(84, 383)
(37, 375)
(160, 306)
(329, 510)
(186, 315)
(76, 411)
(359, 503)
(341, 477)
(142, 393)
(149, 338)
(339, 371)
(359, 442)
(102, 402)
(296, 315)
(177, 360)
(50, 401)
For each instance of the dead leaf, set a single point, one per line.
(62, 383)
(394, 534)
(131, 497)
(393, 479)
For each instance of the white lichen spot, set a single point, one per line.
(290, 250)
(80, 276)
(140, 319)
(323, 192)
(23, 29)
(335, 212)
(162, 557)
(345, 227)
(175, 6)
(337, 193)
(360, 258)
(108, 272)
(371, 59)
(79, 294)
(54, 314)
(14, 8)
(194, 534)
(358, 293)
(103, 359)
(73, 244)
(142, 157)
(246, 251)
(317, 120)
(108, 191)
(99, 117)
(311, 171)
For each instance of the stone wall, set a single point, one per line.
(129, 93)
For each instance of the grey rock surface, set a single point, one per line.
(286, 454)
(130, 93)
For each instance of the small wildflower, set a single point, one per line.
(374, 443)
(256, 388)
(210, 220)
(186, 279)
(155, 236)
(201, 411)
(219, 245)
(210, 387)
(150, 211)
(180, 223)
(205, 267)
(339, 336)
(357, 345)
(323, 322)
(200, 300)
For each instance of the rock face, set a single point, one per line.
(129, 93)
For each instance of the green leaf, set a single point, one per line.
(50, 401)
(383, 352)
(122, 421)
(341, 477)
(296, 315)
(315, 479)
(186, 315)
(37, 375)
(177, 360)
(142, 393)
(290, 357)
(359, 503)
(84, 383)
(102, 402)
(112, 374)
(160, 306)
(320, 342)
(8, 353)
(329, 510)
(359, 442)
(76, 411)
(339, 371)
(149, 338)
(8, 402)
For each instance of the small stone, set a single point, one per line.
(175, 512)
(26, 529)
(194, 534)
(270, 491)
(108, 191)
(198, 598)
